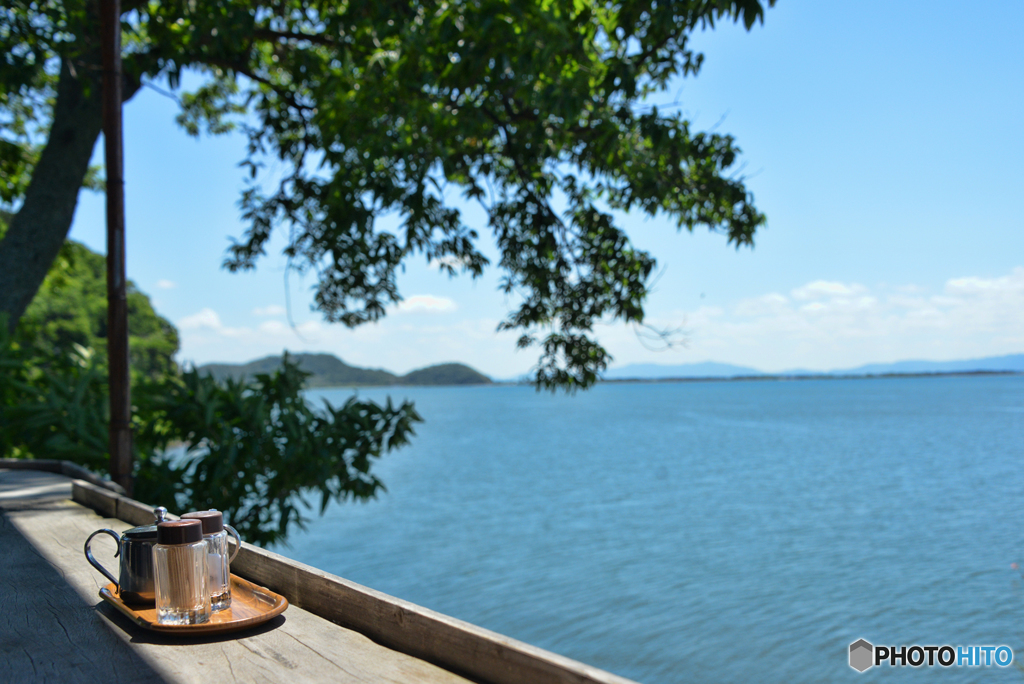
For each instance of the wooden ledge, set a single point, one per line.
(67, 468)
(457, 646)
(55, 628)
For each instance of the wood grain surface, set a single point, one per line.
(54, 626)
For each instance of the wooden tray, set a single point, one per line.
(251, 605)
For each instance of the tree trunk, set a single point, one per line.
(40, 227)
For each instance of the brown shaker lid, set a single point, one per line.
(213, 520)
(179, 532)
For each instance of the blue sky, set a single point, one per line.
(883, 140)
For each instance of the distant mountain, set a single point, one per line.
(1011, 362)
(656, 371)
(330, 371)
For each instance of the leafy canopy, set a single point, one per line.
(533, 108)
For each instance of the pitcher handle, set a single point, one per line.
(95, 563)
(238, 541)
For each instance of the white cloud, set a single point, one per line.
(821, 289)
(426, 304)
(1011, 285)
(166, 284)
(269, 310)
(206, 322)
(828, 324)
(205, 319)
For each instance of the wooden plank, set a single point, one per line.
(295, 647)
(99, 499)
(113, 505)
(46, 465)
(136, 513)
(67, 468)
(47, 633)
(453, 644)
(76, 471)
(30, 487)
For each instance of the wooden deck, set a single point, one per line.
(54, 627)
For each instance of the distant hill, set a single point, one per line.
(330, 371)
(445, 374)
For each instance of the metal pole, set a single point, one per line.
(117, 300)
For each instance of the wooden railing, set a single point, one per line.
(455, 645)
(66, 468)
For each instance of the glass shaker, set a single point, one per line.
(215, 532)
(180, 577)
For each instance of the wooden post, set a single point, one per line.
(117, 300)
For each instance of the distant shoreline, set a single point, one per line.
(326, 371)
(738, 378)
(815, 376)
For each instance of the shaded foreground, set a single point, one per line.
(334, 630)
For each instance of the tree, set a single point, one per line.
(53, 383)
(535, 109)
(70, 310)
(255, 449)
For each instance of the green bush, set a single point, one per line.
(258, 451)
(52, 405)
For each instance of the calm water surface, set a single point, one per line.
(706, 532)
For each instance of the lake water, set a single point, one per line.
(706, 532)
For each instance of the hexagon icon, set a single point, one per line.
(862, 655)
